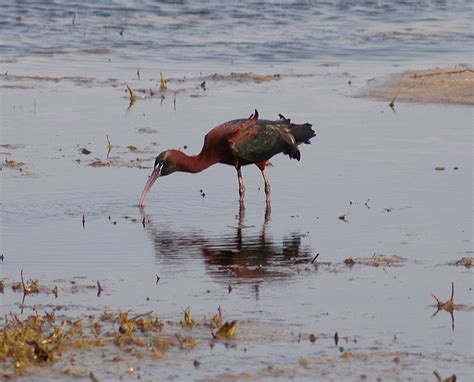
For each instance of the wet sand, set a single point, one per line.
(384, 196)
(449, 86)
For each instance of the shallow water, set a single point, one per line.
(199, 245)
(373, 164)
(83, 37)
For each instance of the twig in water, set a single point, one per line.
(141, 315)
(99, 288)
(448, 306)
(392, 103)
(314, 258)
(133, 96)
(453, 377)
(163, 84)
(343, 217)
(109, 146)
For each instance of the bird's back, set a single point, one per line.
(265, 138)
(255, 140)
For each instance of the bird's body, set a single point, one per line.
(237, 143)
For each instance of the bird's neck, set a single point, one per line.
(193, 163)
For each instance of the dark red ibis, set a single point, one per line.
(236, 143)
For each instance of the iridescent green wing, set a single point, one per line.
(261, 141)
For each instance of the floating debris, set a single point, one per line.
(188, 318)
(11, 164)
(377, 261)
(99, 163)
(109, 146)
(467, 262)
(343, 217)
(163, 83)
(132, 95)
(85, 151)
(226, 331)
(452, 378)
(314, 258)
(440, 168)
(147, 130)
(392, 103)
(217, 318)
(187, 342)
(449, 306)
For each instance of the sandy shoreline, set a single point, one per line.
(450, 86)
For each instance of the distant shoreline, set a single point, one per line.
(440, 85)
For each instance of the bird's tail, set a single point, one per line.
(302, 133)
(293, 153)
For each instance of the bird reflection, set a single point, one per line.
(239, 255)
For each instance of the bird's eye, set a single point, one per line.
(157, 161)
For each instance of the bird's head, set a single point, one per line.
(165, 164)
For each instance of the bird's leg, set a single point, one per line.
(268, 188)
(241, 185)
(268, 213)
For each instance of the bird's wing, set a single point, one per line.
(226, 130)
(261, 140)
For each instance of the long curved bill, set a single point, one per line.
(149, 184)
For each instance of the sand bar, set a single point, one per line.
(448, 85)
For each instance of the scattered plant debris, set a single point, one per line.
(226, 331)
(343, 217)
(99, 163)
(377, 261)
(163, 83)
(12, 164)
(109, 146)
(449, 306)
(188, 320)
(452, 378)
(132, 95)
(99, 288)
(392, 103)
